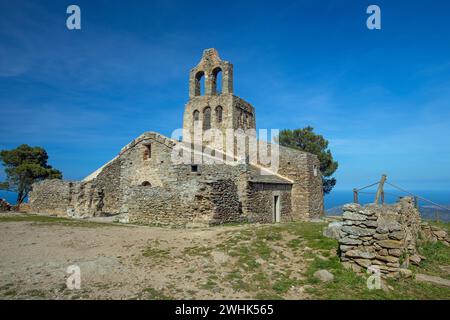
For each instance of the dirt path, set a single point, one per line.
(129, 262)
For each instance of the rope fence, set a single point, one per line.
(380, 194)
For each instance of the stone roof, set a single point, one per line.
(258, 174)
(149, 135)
(146, 135)
(264, 175)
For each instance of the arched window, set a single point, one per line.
(196, 115)
(207, 118)
(219, 114)
(146, 184)
(217, 81)
(199, 83)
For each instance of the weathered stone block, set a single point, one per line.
(344, 248)
(395, 252)
(397, 235)
(387, 258)
(360, 254)
(353, 216)
(352, 207)
(381, 236)
(333, 230)
(363, 262)
(350, 241)
(358, 231)
(390, 244)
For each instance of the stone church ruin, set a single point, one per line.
(143, 184)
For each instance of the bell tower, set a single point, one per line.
(212, 106)
(209, 67)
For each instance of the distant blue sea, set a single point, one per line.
(9, 196)
(339, 197)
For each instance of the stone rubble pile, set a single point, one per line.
(433, 234)
(4, 205)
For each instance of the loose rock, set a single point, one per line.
(324, 275)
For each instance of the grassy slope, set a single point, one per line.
(346, 284)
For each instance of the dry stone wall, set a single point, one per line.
(381, 236)
(434, 234)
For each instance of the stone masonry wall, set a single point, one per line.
(193, 202)
(307, 192)
(51, 197)
(381, 236)
(261, 202)
(224, 197)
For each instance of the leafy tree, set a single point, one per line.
(24, 166)
(306, 140)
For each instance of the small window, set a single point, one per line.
(196, 115)
(315, 170)
(194, 168)
(147, 151)
(146, 184)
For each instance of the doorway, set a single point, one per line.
(276, 209)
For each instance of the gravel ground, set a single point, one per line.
(115, 261)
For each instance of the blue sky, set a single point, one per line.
(381, 97)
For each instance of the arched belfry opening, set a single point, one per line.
(217, 81)
(199, 83)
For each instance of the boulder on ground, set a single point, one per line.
(405, 273)
(333, 230)
(324, 275)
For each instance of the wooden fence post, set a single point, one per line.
(380, 188)
(355, 195)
